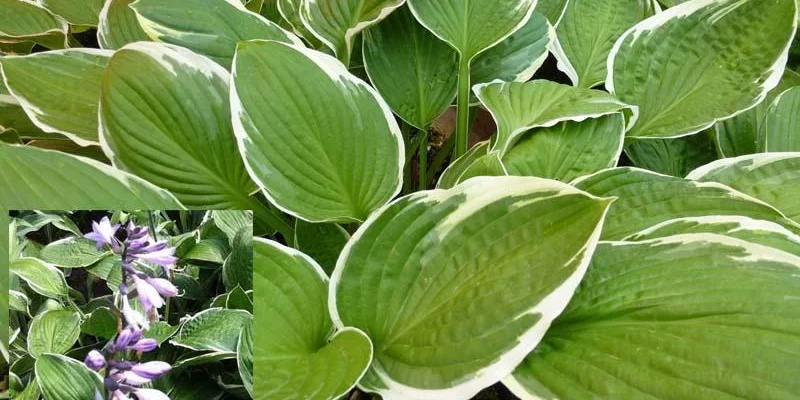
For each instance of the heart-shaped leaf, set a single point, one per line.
(76, 12)
(54, 331)
(771, 177)
(693, 316)
(32, 173)
(309, 130)
(297, 354)
(214, 28)
(484, 249)
(42, 278)
(415, 72)
(72, 252)
(587, 32)
(118, 25)
(189, 141)
(215, 329)
(29, 20)
(782, 125)
(647, 198)
(63, 378)
(700, 62)
(569, 149)
(59, 89)
(336, 22)
(519, 107)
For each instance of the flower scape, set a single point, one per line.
(448, 199)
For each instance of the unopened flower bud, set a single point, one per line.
(95, 360)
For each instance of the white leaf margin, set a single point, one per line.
(679, 11)
(64, 25)
(550, 307)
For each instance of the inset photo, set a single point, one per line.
(130, 305)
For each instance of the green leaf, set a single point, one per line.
(568, 149)
(231, 221)
(700, 62)
(472, 26)
(161, 331)
(101, 323)
(63, 378)
(414, 71)
(484, 249)
(53, 332)
(750, 230)
(290, 11)
(59, 90)
(587, 32)
(744, 133)
(344, 159)
(771, 177)
(647, 198)
(76, 12)
(244, 357)
(454, 172)
(696, 316)
(337, 22)
(519, 107)
(485, 165)
(237, 270)
(17, 301)
(33, 173)
(42, 278)
(118, 25)
(109, 269)
(322, 242)
(674, 157)
(552, 9)
(188, 142)
(29, 20)
(518, 56)
(297, 354)
(239, 299)
(72, 252)
(214, 28)
(782, 125)
(215, 329)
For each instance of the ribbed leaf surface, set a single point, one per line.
(782, 126)
(118, 25)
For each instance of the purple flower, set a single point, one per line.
(95, 360)
(103, 233)
(145, 345)
(133, 317)
(148, 295)
(150, 394)
(132, 378)
(127, 336)
(151, 369)
(163, 255)
(163, 287)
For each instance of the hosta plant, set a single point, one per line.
(451, 199)
(130, 305)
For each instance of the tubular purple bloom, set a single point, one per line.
(102, 233)
(127, 336)
(164, 257)
(145, 345)
(132, 378)
(95, 360)
(150, 394)
(163, 286)
(151, 369)
(148, 295)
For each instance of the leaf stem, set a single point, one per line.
(462, 127)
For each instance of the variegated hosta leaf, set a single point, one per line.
(519, 107)
(508, 251)
(30, 173)
(755, 231)
(744, 133)
(552, 9)
(771, 177)
(185, 145)
(59, 90)
(588, 30)
(674, 157)
(472, 26)
(213, 29)
(700, 62)
(336, 22)
(29, 20)
(321, 143)
(76, 12)
(118, 25)
(296, 353)
(782, 126)
(693, 316)
(290, 11)
(568, 149)
(518, 56)
(415, 72)
(452, 175)
(646, 199)
(64, 378)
